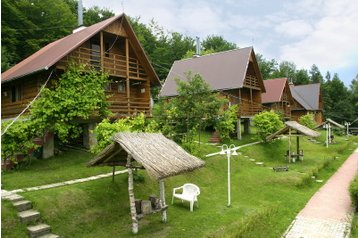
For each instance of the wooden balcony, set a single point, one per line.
(249, 109)
(251, 82)
(130, 106)
(113, 64)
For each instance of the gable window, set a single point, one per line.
(16, 93)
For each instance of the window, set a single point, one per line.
(107, 87)
(95, 55)
(121, 87)
(106, 49)
(16, 93)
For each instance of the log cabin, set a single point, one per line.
(307, 99)
(110, 46)
(235, 74)
(278, 96)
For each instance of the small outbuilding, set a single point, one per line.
(328, 125)
(294, 129)
(155, 153)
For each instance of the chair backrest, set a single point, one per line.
(191, 189)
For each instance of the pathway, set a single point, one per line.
(328, 212)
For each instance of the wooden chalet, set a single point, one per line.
(234, 74)
(278, 96)
(307, 99)
(110, 45)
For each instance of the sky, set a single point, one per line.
(306, 32)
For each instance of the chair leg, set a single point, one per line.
(191, 205)
(197, 204)
(172, 199)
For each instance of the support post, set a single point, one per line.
(289, 145)
(102, 49)
(49, 145)
(238, 129)
(113, 171)
(247, 126)
(127, 75)
(131, 196)
(162, 200)
(298, 147)
(89, 137)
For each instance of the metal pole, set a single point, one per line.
(228, 179)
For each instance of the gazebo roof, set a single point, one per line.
(300, 129)
(331, 122)
(160, 156)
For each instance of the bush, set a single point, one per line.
(308, 120)
(267, 122)
(226, 122)
(353, 190)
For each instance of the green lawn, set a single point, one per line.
(264, 203)
(69, 165)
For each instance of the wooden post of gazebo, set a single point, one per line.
(162, 200)
(131, 195)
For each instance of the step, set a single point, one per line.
(29, 216)
(38, 230)
(49, 236)
(14, 198)
(22, 205)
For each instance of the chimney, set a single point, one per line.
(80, 13)
(197, 54)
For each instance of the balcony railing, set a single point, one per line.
(130, 106)
(113, 64)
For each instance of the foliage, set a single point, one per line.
(267, 122)
(285, 69)
(17, 139)
(315, 75)
(77, 95)
(195, 107)
(267, 67)
(106, 129)
(353, 190)
(308, 120)
(226, 122)
(217, 43)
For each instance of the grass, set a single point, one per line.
(66, 166)
(264, 203)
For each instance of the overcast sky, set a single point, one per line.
(321, 32)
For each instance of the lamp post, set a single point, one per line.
(228, 151)
(347, 124)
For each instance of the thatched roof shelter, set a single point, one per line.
(293, 128)
(160, 157)
(330, 121)
(293, 125)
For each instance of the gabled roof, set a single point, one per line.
(307, 95)
(160, 156)
(333, 123)
(294, 125)
(55, 51)
(274, 90)
(222, 71)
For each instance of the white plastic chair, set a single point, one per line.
(190, 193)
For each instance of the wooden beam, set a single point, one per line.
(162, 199)
(131, 196)
(127, 75)
(102, 49)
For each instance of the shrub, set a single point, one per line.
(353, 190)
(226, 122)
(267, 122)
(308, 120)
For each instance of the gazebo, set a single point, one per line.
(293, 128)
(159, 156)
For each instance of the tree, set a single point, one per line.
(354, 96)
(95, 14)
(285, 69)
(308, 120)
(267, 122)
(217, 44)
(267, 67)
(195, 107)
(328, 76)
(315, 75)
(301, 77)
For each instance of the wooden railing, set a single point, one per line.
(251, 81)
(113, 64)
(130, 106)
(247, 109)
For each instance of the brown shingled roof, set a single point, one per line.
(55, 51)
(274, 89)
(222, 71)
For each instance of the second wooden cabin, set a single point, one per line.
(234, 74)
